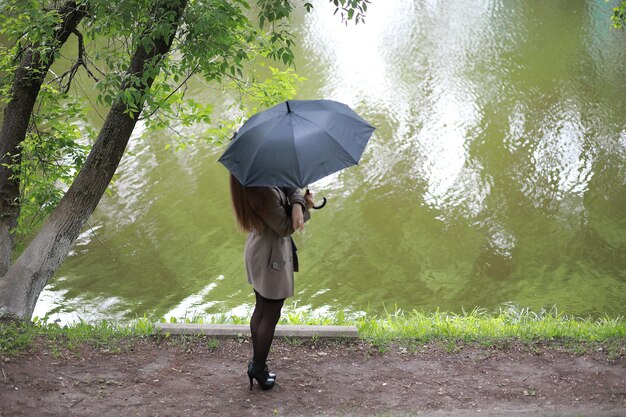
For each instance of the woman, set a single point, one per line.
(270, 215)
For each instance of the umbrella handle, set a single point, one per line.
(319, 206)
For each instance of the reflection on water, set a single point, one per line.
(497, 174)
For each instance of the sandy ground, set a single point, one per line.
(157, 377)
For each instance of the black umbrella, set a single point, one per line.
(296, 143)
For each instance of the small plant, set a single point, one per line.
(615, 350)
(452, 346)
(382, 348)
(293, 341)
(213, 344)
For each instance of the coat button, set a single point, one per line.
(275, 265)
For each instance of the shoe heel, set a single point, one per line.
(262, 377)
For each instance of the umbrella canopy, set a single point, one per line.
(296, 143)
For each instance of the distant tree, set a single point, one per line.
(140, 55)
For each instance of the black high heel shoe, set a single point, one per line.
(270, 373)
(262, 376)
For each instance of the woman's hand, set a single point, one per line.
(308, 198)
(297, 217)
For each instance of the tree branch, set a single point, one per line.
(191, 73)
(81, 61)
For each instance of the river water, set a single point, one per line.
(496, 177)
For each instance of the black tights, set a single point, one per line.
(262, 325)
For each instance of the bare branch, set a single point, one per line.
(82, 56)
(81, 61)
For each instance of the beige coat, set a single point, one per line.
(268, 253)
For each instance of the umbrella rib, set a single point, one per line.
(330, 135)
(256, 152)
(293, 135)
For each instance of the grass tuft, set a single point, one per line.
(15, 337)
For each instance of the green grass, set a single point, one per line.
(479, 326)
(16, 337)
(409, 328)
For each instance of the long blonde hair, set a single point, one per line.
(247, 203)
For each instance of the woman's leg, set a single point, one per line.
(255, 320)
(267, 315)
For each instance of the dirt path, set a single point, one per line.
(156, 378)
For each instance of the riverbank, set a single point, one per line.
(411, 327)
(403, 364)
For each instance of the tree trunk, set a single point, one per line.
(25, 280)
(26, 84)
